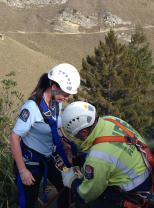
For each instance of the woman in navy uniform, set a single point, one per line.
(33, 138)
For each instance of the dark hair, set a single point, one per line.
(43, 83)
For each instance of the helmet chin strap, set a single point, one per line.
(50, 82)
(53, 97)
(58, 92)
(55, 92)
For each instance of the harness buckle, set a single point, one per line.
(59, 164)
(130, 140)
(146, 194)
(47, 113)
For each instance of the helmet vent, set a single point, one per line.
(68, 79)
(89, 119)
(50, 73)
(69, 88)
(73, 120)
(90, 108)
(66, 75)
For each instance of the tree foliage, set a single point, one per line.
(117, 79)
(10, 99)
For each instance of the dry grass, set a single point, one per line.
(27, 63)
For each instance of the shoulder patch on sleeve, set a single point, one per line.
(24, 115)
(89, 172)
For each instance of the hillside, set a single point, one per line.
(39, 34)
(27, 63)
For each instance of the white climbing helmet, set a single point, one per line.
(78, 115)
(67, 76)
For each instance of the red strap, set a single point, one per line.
(125, 129)
(109, 139)
(131, 135)
(131, 140)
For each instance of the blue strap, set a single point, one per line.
(74, 189)
(54, 130)
(22, 201)
(36, 157)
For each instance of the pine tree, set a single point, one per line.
(117, 77)
(139, 47)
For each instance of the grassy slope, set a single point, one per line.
(27, 63)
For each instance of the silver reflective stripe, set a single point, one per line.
(113, 160)
(30, 162)
(136, 181)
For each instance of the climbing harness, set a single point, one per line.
(31, 157)
(54, 130)
(139, 199)
(131, 139)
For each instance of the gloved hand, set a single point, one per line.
(68, 177)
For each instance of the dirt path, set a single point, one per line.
(60, 33)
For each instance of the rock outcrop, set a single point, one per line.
(113, 20)
(70, 20)
(27, 3)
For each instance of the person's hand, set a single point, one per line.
(26, 177)
(78, 172)
(68, 177)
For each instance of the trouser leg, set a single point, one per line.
(103, 203)
(31, 195)
(111, 198)
(54, 176)
(28, 195)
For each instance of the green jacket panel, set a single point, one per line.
(112, 163)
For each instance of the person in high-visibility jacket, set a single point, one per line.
(110, 168)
